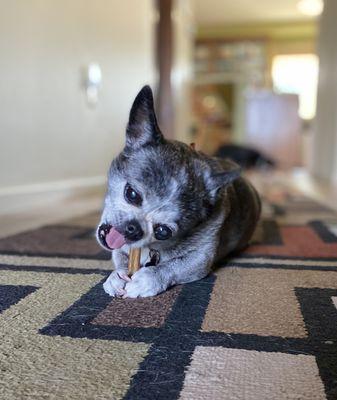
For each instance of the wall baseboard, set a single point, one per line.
(20, 198)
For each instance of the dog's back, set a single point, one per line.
(240, 224)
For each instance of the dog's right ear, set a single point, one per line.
(142, 128)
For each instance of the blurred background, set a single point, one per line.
(256, 80)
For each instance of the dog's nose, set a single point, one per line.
(103, 230)
(133, 231)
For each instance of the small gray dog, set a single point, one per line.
(184, 209)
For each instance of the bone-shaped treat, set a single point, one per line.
(134, 261)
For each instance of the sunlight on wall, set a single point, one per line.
(297, 73)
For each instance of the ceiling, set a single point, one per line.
(217, 12)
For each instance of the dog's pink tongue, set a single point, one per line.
(114, 239)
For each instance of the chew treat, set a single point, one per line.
(134, 261)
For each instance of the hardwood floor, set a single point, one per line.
(13, 223)
(300, 180)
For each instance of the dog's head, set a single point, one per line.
(158, 190)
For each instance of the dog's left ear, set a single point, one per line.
(142, 128)
(222, 179)
(219, 180)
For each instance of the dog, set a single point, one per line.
(186, 210)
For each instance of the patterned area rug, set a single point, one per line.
(263, 326)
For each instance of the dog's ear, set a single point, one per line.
(142, 128)
(217, 173)
(222, 179)
(218, 180)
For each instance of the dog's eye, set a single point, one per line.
(131, 196)
(162, 232)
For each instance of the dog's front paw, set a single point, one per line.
(144, 283)
(114, 285)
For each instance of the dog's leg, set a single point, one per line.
(115, 284)
(149, 281)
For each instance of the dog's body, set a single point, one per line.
(190, 210)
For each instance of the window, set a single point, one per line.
(297, 73)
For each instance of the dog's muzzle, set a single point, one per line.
(113, 238)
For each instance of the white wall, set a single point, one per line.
(324, 148)
(47, 131)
